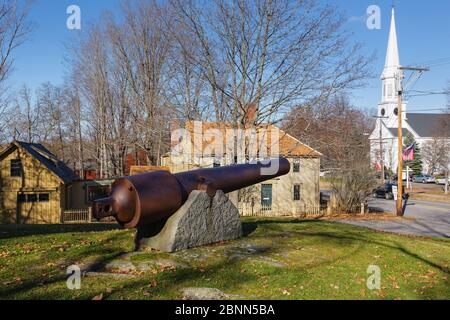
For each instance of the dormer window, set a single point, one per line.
(16, 168)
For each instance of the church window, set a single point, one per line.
(383, 112)
(390, 95)
(396, 111)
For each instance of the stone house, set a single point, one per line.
(295, 193)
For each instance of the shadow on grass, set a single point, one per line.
(172, 281)
(248, 227)
(106, 255)
(15, 231)
(349, 237)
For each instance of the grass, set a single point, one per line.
(431, 196)
(322, 260)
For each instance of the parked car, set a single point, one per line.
(424, 179)
(385, 191)
(441, 180)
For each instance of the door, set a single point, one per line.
(266, 197)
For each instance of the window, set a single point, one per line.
(297, 166)
(21, 198)
(97, 192)
(216, 163)
(16, 168)
(33, 198)
(390, 89)
(44, 197)
(297, 192)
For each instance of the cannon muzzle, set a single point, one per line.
(153, 197)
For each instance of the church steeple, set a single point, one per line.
(388, 105)
(392, 63)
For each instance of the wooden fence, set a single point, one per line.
(77, 216)
(303, 211)
(82, 216)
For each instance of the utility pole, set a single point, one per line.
(399, 78)
(399, 206)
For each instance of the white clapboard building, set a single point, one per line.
(423, 126)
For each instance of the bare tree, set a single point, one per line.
(339, 132)
(270, 54)
(432, 153)
(26, 118)
(145, 50)
(91, 71)
(75, 136)
(14, 29)
(229, 61)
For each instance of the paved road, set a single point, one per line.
(431, 219)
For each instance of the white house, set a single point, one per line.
(423, 126)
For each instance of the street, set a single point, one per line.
(430, 219)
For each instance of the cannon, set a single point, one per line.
(153, 197)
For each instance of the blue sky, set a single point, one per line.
(423, 29)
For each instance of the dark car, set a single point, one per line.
(385, 191)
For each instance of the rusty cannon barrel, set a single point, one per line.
(153, 197)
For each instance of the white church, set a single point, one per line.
(423, 126)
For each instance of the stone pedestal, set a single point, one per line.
(200, 221)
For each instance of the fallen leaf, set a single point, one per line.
(99, 297)
(286, 293)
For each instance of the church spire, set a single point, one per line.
(392, 57)
(389, 77)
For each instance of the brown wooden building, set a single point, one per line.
(34, 184)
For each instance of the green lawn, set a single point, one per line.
(277, 259)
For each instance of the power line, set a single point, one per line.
(427, 94)
(441, 109)
(434, 61)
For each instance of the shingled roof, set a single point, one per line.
(46, 158)
(429, 124)
(288, 145)
(394, 132)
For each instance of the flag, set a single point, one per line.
(408, 153)
(378, 167)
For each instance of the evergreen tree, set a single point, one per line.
(415, 165)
